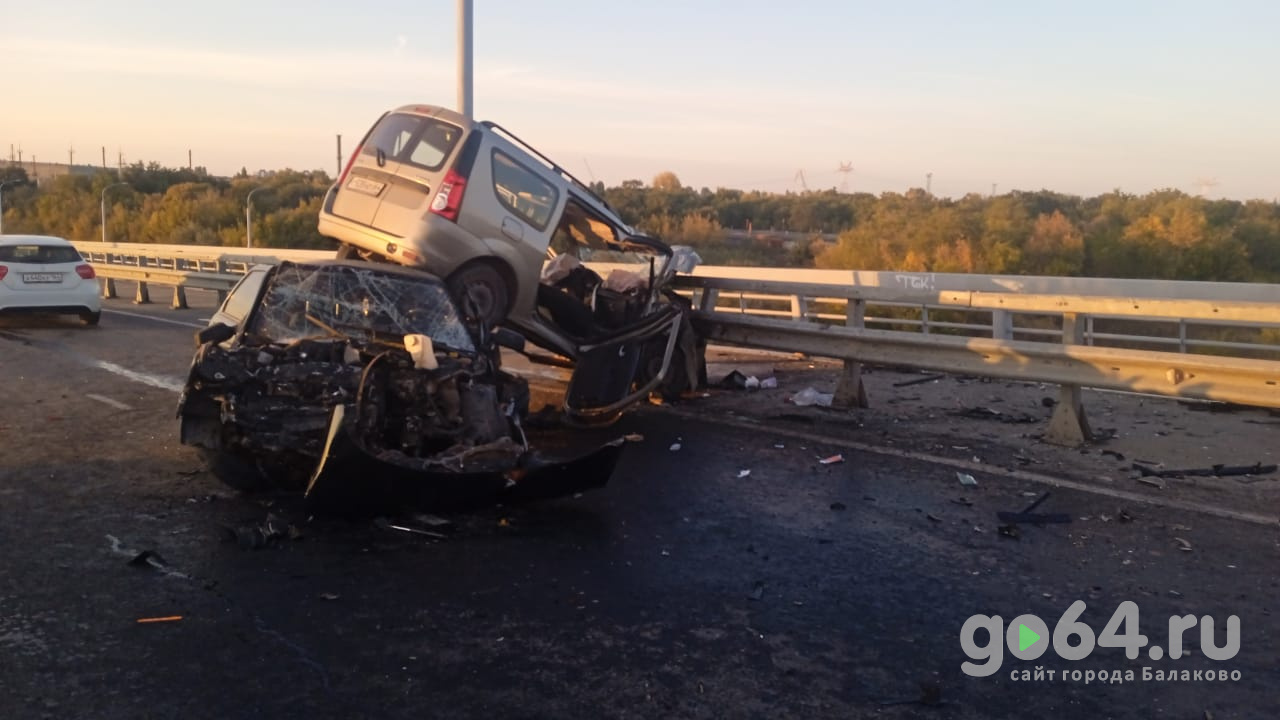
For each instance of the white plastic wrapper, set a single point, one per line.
(559, 268)
(684, 258)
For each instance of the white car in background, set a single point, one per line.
(42, 274)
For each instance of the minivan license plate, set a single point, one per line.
(41, 278)
(366, 186)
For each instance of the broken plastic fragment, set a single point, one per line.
(422, 351)
(743, 473)
(769, 383)
(633, 437)
(675, 447)
(752, 383)
(832, 459)
(810, 396)
(966, 479)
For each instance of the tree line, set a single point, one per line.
(162, 205)
(1165, 234)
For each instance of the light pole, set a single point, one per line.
(2, 184)
(465, 98)
(248, 217)
(102, 205)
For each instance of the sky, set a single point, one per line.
(1079, 97)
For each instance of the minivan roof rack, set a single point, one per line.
(581, 185)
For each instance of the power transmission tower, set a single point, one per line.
(71, 155)
(844, 169)
(1206, 185)
(928, 184)
(800, 177)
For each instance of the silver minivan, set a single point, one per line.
(474, 205)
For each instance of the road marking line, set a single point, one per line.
(151, 317)
(113, 403)
(970, 466)
(155, 381)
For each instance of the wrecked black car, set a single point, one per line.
(362, 384)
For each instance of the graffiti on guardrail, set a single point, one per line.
(917, 281)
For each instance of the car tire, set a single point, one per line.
(90, 318)
(485, 286)
(346, 252)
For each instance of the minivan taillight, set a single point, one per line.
(3, 271)
(449, 197)
(84, 271)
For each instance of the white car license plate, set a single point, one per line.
(366, 186)
(33, 278)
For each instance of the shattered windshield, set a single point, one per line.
(339, 300)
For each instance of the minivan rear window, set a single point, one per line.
(39, 254)
(413, 140)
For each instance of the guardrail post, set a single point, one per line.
(708, 299)
(1001, 325)
(1069, 426)
(143, 296)
(799, 307)
(850, 392)
(179, 298)
(1182, 335)
(924, 319)
(222, 270)
(109, 288)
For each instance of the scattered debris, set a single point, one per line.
(1009, 531)
(148, 558)
(933, 517)
(254, 537)
(1153, 483)
(167, 618)
(386, 524)
(1028, 516)
(986, 413)
(757, 592)
(1124, 516)
(675, 447)
(810, 396)
(1183, 544)
(837, 458)
(743, 473)
(633, 437)
(734, 381)
(966, 479)
(1114, 454)
(919, 380)
(779, 446)
(769, 383)
(329, 596)
(962, 501)
(1218, 470)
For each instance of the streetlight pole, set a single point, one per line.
(464, 59)
(248, 218)
(2, 184)
(102, 205)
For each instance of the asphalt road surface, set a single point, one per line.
(686, 588)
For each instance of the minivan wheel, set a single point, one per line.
(345, 252)
(485, 287)
(90, 318)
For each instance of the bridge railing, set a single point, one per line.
(1210, 341)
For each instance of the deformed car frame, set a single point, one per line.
(363, 384)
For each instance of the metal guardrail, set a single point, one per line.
(1076, 332)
